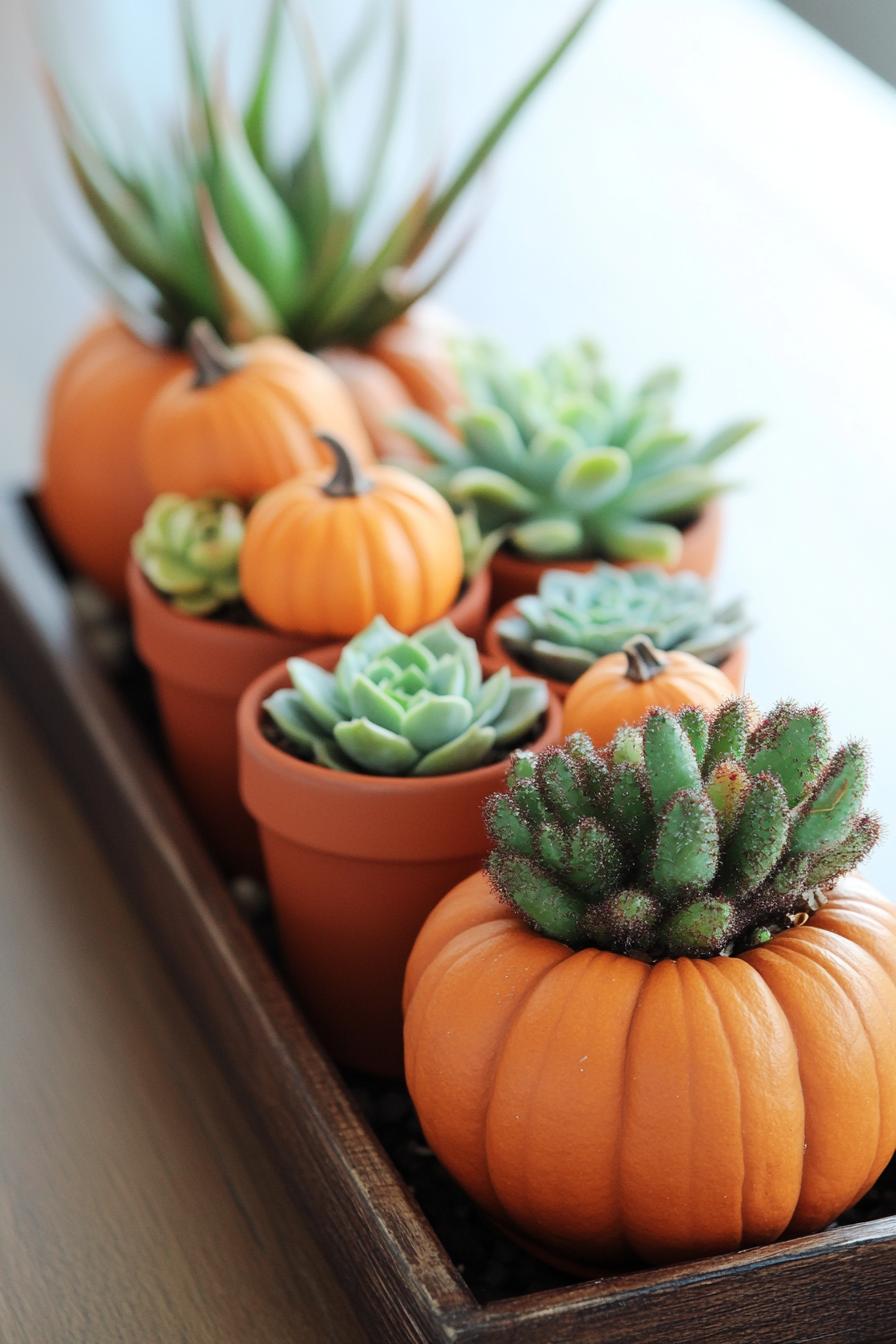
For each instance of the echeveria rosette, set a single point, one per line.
(565, 465)
(684, 837)
(189, 551)
(406, 705)
(576, 618)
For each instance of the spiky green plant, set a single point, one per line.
(686, 836)
(189, 551)
(406, 705)
(221, 229)
(577, 618)
(562, 464)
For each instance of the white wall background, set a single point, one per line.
(708, 181)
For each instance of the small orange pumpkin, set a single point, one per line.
(246, 419)
(584, 1097)
(621, 687)
(324, 554)
(93, 493)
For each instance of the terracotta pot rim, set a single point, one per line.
(494, 648)
(283, 762)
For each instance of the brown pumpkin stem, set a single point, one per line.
(213, 359)
(643, 661)
(348, 480)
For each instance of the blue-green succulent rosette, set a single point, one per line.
(413, 705)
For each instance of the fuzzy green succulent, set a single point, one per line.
(406, 705)
(562, 464)
(577, 618)
(684, 837)
(189, 551)
(222, 227)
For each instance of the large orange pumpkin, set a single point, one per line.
(621, 687)
(92, 492)
(246, 419)
(603, 1108)
(325, 553)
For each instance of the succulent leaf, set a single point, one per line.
(669, 760)
(398, 705)
(644, 848)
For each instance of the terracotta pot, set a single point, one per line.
(513, 576)
(470, 611)
(355, 863)
(734, 666)
(200, 668)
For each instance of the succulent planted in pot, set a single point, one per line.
(577, 618)
(569, 466)
(399, 705)
(214, 224)
(189, 551)
(688, 836)
(664, 1025)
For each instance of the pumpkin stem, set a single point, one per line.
(644, 662)
(348, 480)
(213, 359)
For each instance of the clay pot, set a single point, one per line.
(513, 576)
(734, 666)
(200, 669)
(355, 863)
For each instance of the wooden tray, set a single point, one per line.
(836, 1286)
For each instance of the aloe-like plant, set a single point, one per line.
(577, 618)
(222, 229)
(189, 551)
(686, 836)
(561, 463)
(405, 705)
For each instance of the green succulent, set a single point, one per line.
(565, 465)
(577, 618)
(406, 705)
(223, 229)
(684, 837)
(189, 550)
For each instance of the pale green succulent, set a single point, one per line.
(406, 705)
(221, 227)
(577, 618)
(562, 464)
(684, 837)
(189, 551)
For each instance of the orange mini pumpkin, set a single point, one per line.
(93, 493)
(246, 419)
(621, 687)
(325, 553)
(607, 1107)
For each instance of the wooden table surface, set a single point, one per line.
(709, 181)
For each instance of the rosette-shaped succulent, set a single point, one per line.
(406, 705)
(565, 464)
(577, 618)
(685, 837)
(189, 551)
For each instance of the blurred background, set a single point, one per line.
(694, 192)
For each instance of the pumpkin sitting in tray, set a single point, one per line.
(663, 1024)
